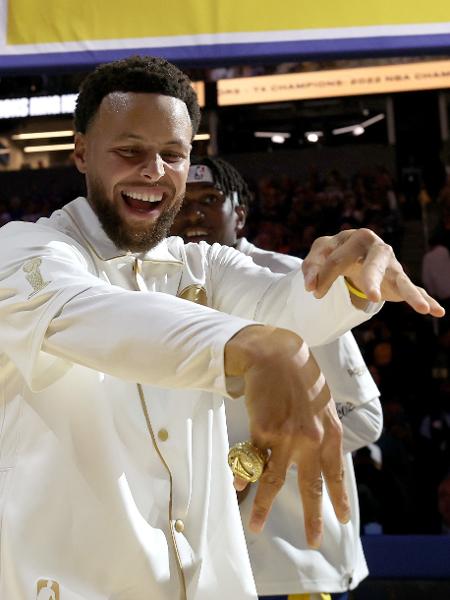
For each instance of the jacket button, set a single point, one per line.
(179, 526)
(163, 434)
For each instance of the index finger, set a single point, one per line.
(312, 263)
(316, 263)
(354, 251)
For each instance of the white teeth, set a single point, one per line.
(145, 197)
(195, 232)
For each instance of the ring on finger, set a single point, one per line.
(247, 461)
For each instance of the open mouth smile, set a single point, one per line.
(143, 203)
(197, 232)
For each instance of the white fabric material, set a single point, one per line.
(281, 560)
(89, 494)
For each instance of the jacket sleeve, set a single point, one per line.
(55, 311)
(240, 287)
(353, 389)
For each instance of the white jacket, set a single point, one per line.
(113, 447)
(281, 560)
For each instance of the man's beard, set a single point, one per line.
(125, 237)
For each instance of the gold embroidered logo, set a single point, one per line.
(47, 589)
(195, 293)
(34, 275)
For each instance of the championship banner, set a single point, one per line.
(47, 33)
(358, 81)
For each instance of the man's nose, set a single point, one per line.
(153, 168)
(193, 213)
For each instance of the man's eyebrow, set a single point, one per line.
(134, 137)
(129, 136)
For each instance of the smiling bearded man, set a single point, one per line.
(135, 154)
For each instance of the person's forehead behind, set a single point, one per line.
(197, 190)
(143, 117)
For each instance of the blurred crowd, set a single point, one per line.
(288, 215)
(403, 481)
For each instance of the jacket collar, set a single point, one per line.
(89, 227)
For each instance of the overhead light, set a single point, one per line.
(39, 135)
(357, 127)
(272, 134)
(373, 120)
(49, 148)
(358, 130)
(278, 139)
(348, 129)
(201, 136)
(313, 136)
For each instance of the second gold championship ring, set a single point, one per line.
(247, 461)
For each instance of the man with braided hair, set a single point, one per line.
(215, 208)
(114, 481)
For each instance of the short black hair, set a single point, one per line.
(226, 178)
(141, 74)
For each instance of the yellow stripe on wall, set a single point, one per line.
(47, 21)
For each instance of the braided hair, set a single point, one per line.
(226, 178)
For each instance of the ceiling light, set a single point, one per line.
(373, 120)
(348, 129)
(39, 135)
(358, 130)
(272, 134)
(49, 148)
(313, 136)
(201, 136)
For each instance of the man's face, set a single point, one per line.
(208, 215)
(135, 155)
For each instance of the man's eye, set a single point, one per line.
(208, 200)
(171, 157)
(128, 152)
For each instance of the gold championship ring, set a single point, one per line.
(247, 461)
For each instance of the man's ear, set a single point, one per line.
(241, 212)
(79, 153)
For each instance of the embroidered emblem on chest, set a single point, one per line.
(47, 589)
(34, 276)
